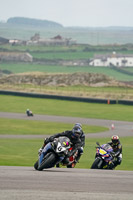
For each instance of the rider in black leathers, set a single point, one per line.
(117, 150)
(29, 113)
(77, 138)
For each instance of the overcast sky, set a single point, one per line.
(83, 13)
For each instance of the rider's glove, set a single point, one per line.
(46, 141)
(40, 151)
(51, 139)
(66, 153)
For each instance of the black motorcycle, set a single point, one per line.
(29, 113)
(57, 154)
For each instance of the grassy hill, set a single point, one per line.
(33, 22)
(93, 36)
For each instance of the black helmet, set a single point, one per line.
(115, 139)
(76, 131)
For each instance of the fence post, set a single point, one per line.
(108, 102)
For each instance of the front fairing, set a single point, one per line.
(60, 147)
(104, 152)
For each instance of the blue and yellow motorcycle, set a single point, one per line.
(104, 157)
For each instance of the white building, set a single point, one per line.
(15, 56)
(112, 60)
(57, 40)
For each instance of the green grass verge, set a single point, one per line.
(63, 55)
(23, 152)
(26, 127)
(66, 108)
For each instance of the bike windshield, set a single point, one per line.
(107, 147)
(65, 142)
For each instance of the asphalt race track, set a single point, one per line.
(24, 183)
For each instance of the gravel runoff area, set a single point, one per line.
(121, 128)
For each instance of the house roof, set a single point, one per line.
(58, 37)
(113, 55)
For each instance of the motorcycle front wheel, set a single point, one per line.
(48, 161)
(97, 164)
(36, 165)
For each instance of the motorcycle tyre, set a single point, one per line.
(48, 162)
(69, 166)
(95, 164)
(36, 165)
